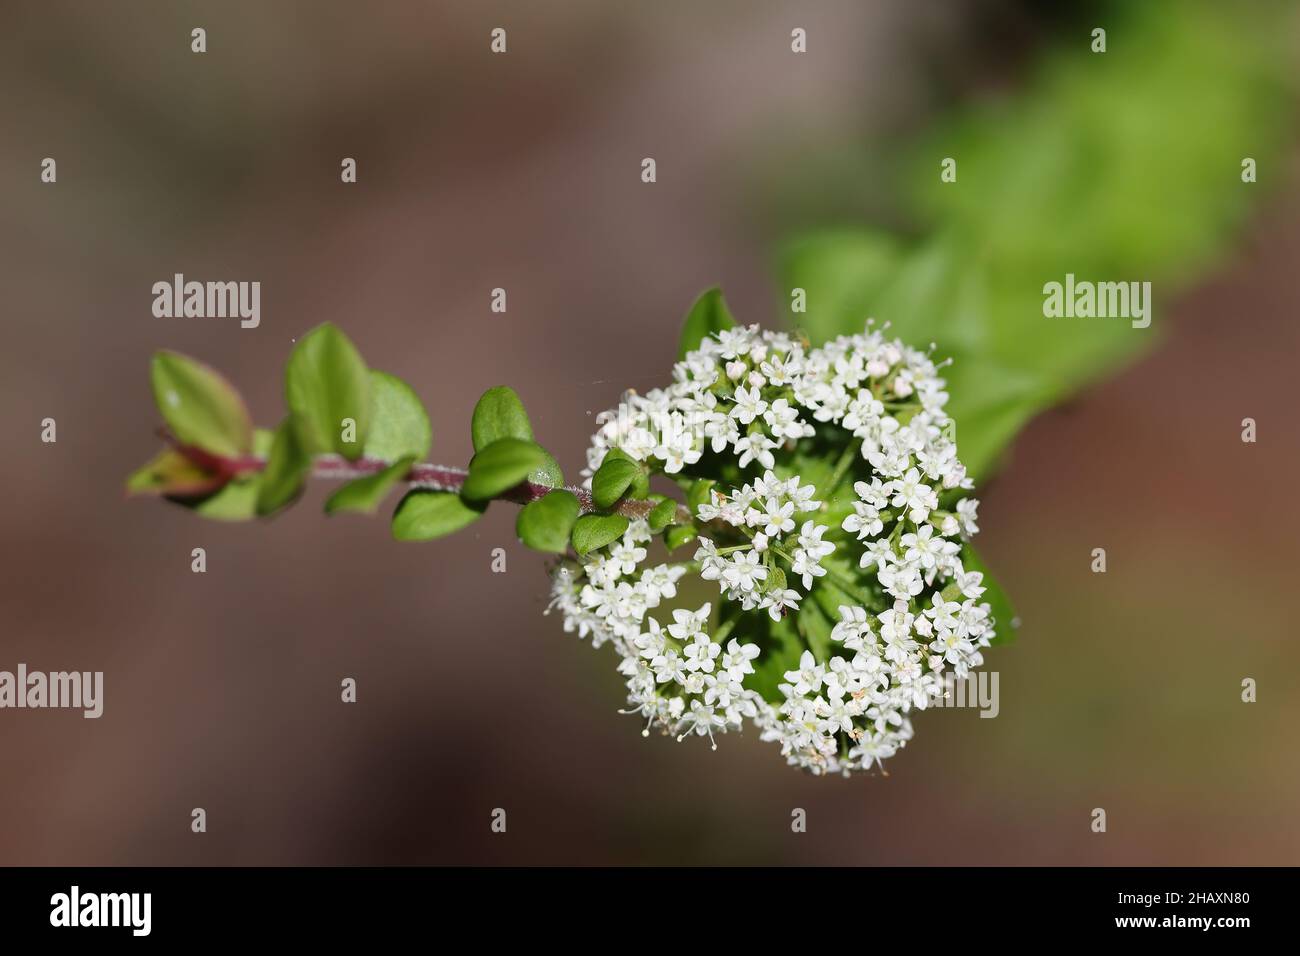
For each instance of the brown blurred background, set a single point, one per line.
(522, 171)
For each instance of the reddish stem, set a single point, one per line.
(420, 475)
(448, 478)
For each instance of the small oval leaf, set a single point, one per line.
(548, 474)
(662, 515)
(200, 407)
(612, 480)
(286, 469)
(678, 535)
(500, 466)
(425, 515)
(326, 385)
(596, 531)
(399, 425)
(364, 494)
(545, 524)
(499, 414)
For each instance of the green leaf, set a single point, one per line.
(500, 466)
(699, 494)
(200, 407)
(775, 580)
(399, 425)
(640, 486)
(1085, 143)
(1005, 620)
(662, 515)
(841, 273)
(424, 515)
(548, 473)
(707, 316)
(815, 628)
(781, 647)
(364, 494)
(171, 473)
(595, 531)
(499, 414)
(327, 384)
(287, 465)
(679, 534)
(545, 524)
(399, 433)
(612, 479)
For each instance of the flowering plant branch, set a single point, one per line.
(423, 475)
(820, 487)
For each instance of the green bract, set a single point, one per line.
(708, 315)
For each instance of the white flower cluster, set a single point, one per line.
(764, 512)
(678, 677)
(910, 613)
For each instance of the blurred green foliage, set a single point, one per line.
(1116, 166)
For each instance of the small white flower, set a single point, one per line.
(738, 659)
(756, 448)
(919, 548)
(778, 599)
(701, 653)
(687, 624)
(808, 678)
(776, 519)
(853, 629)
(810, 539)
(744, 571)
(784, 420)
(749, 405)
(626, 556)
(966, 515)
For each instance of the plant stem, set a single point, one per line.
(450, 478)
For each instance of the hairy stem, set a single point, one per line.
(450, 478)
